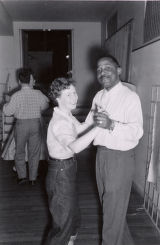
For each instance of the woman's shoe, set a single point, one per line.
(72, 239)
(14, 169)
(71, 242)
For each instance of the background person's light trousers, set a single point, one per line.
(114, 173)
(27, 131)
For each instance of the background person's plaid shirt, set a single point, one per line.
(26, 104)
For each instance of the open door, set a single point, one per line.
(48, 53)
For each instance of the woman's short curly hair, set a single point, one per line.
(57, 86)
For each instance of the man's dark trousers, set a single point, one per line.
(114, 173)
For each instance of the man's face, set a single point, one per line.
(108, 73)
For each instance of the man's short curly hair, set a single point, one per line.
(111, 58)
(57, 86)
(24, 75)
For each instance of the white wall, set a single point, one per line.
(86, 36)
(145, 73)
(6, 50)
(7, 63)
(6, 27)
(128, 10)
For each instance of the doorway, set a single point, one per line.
(48, 53)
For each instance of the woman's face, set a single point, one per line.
(68, 99)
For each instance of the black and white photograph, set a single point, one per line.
(79, 122)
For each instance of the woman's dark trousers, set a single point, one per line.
(61, 185)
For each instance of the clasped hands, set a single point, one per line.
(102, 120)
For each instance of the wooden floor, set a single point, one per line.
(24, 215)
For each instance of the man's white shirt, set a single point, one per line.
(124, 107)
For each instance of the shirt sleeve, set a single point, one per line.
(10, 107)
(89, 119)
(125, 135)
(44, 102)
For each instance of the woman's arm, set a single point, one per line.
(81, 143)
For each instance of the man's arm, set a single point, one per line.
(10, 107)
(44, 102)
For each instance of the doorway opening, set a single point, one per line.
(48, 53)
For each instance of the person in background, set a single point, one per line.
(63, 143)
(26, 105)
(117, 111)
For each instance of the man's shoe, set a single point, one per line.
(32, 182)
(22, 181)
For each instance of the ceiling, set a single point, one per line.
(43, 10)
